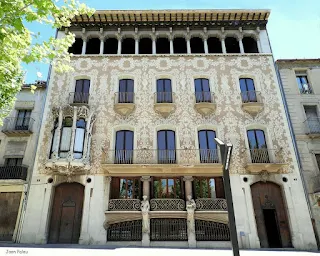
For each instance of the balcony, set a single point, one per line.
(124, 103)
(78, 98)
(124, 205)
(164, 103)
(16, 126)
(263, 159)
(150, 161)
(204, 103)
(252, 102)
(13, 172)
(211, 204)
(167, 204)
(312, 126)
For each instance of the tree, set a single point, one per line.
(17, 46)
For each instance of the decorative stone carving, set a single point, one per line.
(145, 206)
(164, 109)
(67, 168)
(264, 175)
(191, 206)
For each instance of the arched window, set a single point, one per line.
(250, 45)
(196, 44)
(202, 90)
(207, 146)
(81, 94)
(126, 91)
(180, 45)
(124, 147)
(128, 46)
(214, 45)
(54, 137)
(110, 46)
(166, 147)
(79, 139)
(145, 46)
(93, 46)
(163, 45)
(258, 146)
(164, 91)
(76, 48)
(248, 91)
(232, 45)
(65, 139)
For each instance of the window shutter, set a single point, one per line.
(219, 187)
(115, 188)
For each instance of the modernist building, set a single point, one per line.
(301, 86)
(18, 142)
(127, 152)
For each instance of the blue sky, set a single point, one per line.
(293, 27)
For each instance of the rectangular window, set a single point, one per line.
(126, 188)
(303, 84)
(167, 188)
(205, 187)
(126, 91)
(166, 147)
(207, 146)
(258, 146)
(248, 91)
(82, 88)
(79, 139)
(13, 162)
(124, 147)
(312, 122)
(65, 139)
(164, 91)
(23, 120)
(202, 90)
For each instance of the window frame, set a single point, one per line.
(123, 155)
(64, 125)
(126, 96)
(25, 119)
(248, 95)
(117, 194)
(82, 95)
(168, 96)
(83, 139)
(202, 95)
(169, 157)
(299, 75)
(167, 194)
(207, 154)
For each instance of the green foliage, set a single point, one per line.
(16, 45)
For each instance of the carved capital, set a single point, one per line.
(187, 178)
(145, 178)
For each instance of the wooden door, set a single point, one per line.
(66, 214)
(270, 214)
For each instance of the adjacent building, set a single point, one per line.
(301, 86)
(18, 144)
(127, 152)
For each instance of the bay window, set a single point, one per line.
(65, 139)
(79, 139)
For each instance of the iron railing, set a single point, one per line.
(17, 124)
(124, 205)
(124, 97)
(211, 204)
(204, 97)
(312, 125)
(264, 155)
(170, 156)
(167, 204)
(168, 230)
(125, 231)
(251, 97)
(13, 172)
(78, 98)
(211, 231)
(164, 97)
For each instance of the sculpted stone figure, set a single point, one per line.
(145, 206)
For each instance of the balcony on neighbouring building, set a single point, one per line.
(164, 103)
(16, 126)
(124, 103)
(151, 161)
(264, 159)
(13, 172)
(78, 98)
(312, 126)
(251, 102)
(204, 103)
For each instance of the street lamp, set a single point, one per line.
(225, 153)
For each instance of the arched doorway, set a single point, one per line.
(66, 214)
(270, 214)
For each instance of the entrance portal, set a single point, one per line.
(66, 214)
(270, 214)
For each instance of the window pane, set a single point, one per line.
(250, 85)
(128, 140)
(160, 86)
(122, 86)
(252, 139)
(211, 142)
(198, 86)
(86, 86)
(161, 140)
(261, 139)
(79, 86)
(212, 188)
(202, 136)
(205, 85)
(65, 140)
(204, 188)
(78, 143)
(122, 191)
(171, 144)
(163, 188)
(129, 85)
(120, 140)
(243, 86)
(168, 85)
(130, 189)
(81, 123)
(171, 188)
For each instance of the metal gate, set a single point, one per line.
(168, 230)
(211, 231)
(125, 231)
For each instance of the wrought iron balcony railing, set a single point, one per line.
(18, 124)
(251, 97)
(78, 98)
(204, 97)
(164, 97)
(13, 172)
(124, 97)
(312, 125)
(265, 156)
(167, 204)
(211, 204)
(170, 156)
(124, 205)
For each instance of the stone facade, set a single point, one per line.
(307, 141)
(96, 169)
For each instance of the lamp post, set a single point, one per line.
(225, 153)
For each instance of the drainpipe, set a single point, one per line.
(26, 193)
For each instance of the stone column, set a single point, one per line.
(101, 45)
(56, 146)
(188, 185)
(84, 45)
(73, 132)
(171, 45)
(146, 186)
(145, 206)
(188, 45)
(119, 44)
(191, 206)
(136, 49)
(241, 45)
(205, 44)
(154, 45)
(223, 45)
(259, 45)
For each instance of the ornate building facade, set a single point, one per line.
(300, 82)
(127, 151)
(18, 145)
